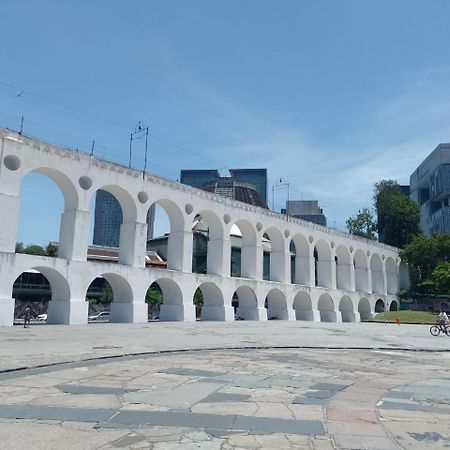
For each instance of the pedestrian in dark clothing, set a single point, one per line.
(27, 317)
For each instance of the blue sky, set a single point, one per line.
(331, 96)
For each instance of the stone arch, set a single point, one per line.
(277, 270)
(172, 308)
(248, 250)
(64, 183)
(323, 264)
(343, 269)
(302, 266)
(175, 252)
(364, 309)
(376, 268)
(379, 306)
(60, 293)
(276, 305)
(248, 303)
(70, 203)
(303, 307)
(394, 306)
(126, 201)
(326, 308)
(347, 310)
(215, 251)
(213, 307)
(391, 276)
(361, 273)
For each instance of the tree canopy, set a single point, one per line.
(428, 258)
(363, 224)
(398, 216)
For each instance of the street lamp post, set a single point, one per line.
(281, 183)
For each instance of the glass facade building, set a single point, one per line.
(430, 188)
(108, 218)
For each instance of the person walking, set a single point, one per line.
(27, 317)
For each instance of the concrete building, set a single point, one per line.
(108, 219)
(430, 188)
(337, 276)
(245, 185)
(306, 210)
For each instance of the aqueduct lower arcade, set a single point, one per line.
(314, 273)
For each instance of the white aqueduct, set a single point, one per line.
(338, 277)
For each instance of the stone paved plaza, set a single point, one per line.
(242, 385)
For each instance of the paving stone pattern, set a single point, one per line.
(315, 399)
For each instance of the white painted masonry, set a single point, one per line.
(352, 273)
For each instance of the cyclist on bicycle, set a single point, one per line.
(443, 320)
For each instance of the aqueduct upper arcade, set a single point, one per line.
(335, 276)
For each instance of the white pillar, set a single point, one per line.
(68, 312)
(384, 278)
(345, 277)
(280, 260)
(326, 274)
(179, 251)
(304, 270)
(122, 312)
(8, 221)
(73, 235)
(220, 313)
(252, 260)
(133, 243)
(6, 311)
(177, 312)
(219, 256)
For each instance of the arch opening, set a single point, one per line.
(45, 236)
(323, 264)
(209, 303)
(246, 303)
(346, 309)
(303, 307)
(170, 301)
(364, 309)
(276, 305)
(379, 306)
(326, 309)
(343, 269)
(300, 260)
(391, 276)
(361, 273)
(394, 306)
(166, 233)
(274, 262)
(376, 268)
(42, 289)
(243, 257)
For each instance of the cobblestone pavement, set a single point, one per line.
(276, 398)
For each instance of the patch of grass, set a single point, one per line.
(407, 316)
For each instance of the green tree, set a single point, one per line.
(398, 217)
(154, 295)
(198, 298)
(51, 250)
(35, 250)
(421, 255)
(363, 224)
(106, 295)
(441, 278)
(19, 247)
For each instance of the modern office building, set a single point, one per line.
(108, 218)
(245, 185)
(305, 209)
(430, 188)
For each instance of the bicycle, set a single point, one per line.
(437, 329)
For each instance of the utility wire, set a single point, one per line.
(24, 92)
